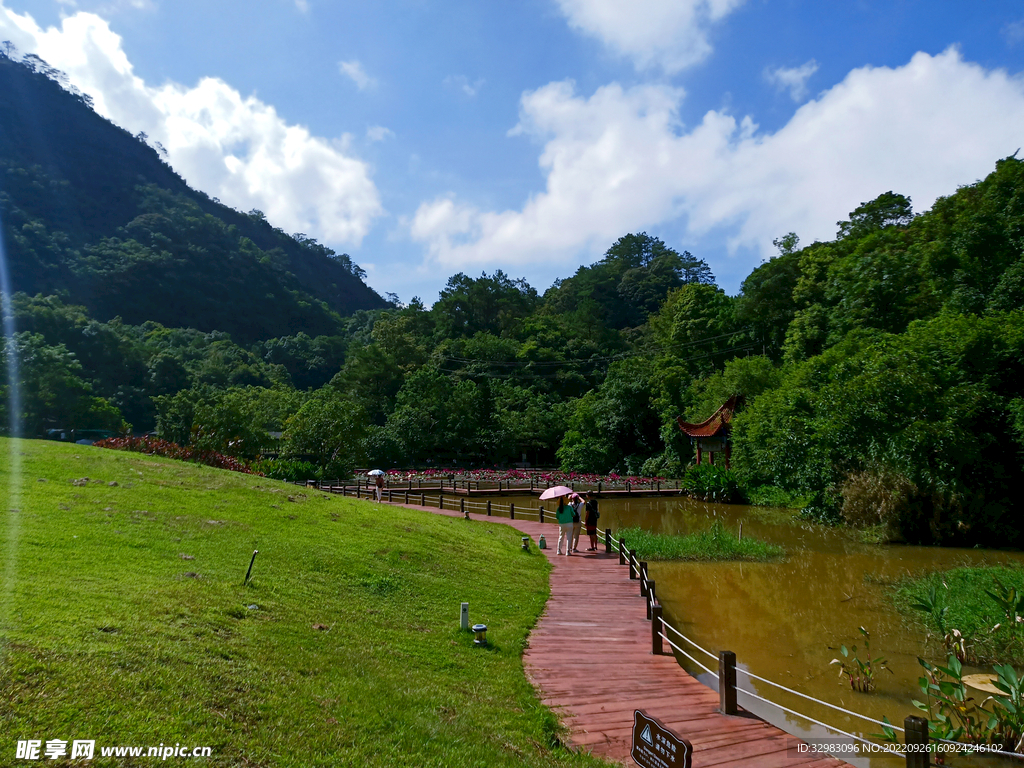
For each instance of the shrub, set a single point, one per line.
(824, 507)
(905, 511)
(665, 464)
(773, 496)
(710, 482)
(156, 447)
(287, 469)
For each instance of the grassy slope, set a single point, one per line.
(107, 636)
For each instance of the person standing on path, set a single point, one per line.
(591, 520)
(378, 491)
(577, 521)
(563, 514)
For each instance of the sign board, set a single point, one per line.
(714, 444)
(655, 746)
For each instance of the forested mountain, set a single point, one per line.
(93, 213)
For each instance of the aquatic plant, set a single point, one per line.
(956, 716)
(716, 543)
(860, 674)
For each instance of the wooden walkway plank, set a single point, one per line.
(589, 657)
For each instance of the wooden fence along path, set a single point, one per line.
(590, 659)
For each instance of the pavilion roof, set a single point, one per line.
(716, 424)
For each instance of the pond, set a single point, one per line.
(785, 620)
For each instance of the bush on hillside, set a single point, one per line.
(154, 446)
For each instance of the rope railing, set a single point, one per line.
(819, 701)
(808, 718)
(706, 669)
(699, 648)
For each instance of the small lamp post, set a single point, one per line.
(481, 634)
(541, 543)
(526, 543)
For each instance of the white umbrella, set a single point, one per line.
(555, 492)
(375, 472)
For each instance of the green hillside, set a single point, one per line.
(124, 619)
(95, 214)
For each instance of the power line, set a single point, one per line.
(592, 360)
(529, 375)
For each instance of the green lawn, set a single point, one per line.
(124, 619)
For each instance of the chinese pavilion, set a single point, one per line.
(711, 436)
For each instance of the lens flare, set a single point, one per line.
(10, 474)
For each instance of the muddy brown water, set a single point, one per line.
(785, 620)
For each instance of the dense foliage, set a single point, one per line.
(880, 372)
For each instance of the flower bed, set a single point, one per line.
(521, 477)
(154, 446)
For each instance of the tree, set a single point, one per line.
(51, 390)
(887, 210)
(766, 301)
(632, 280)
(328, 430)
(614, 427)
(693, 326)
(493, 304)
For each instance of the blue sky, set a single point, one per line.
(426, 139)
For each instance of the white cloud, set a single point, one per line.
(302, 5)
(354, 71)
(462, 83)
(671, 34)
(379, 133)
(1014, 32)
(235, 148)
(794, 80)
(619, 161)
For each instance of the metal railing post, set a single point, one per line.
(607, 541)
(632, 565)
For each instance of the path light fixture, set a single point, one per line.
(526, 543)
(541, 543)
(481, 634)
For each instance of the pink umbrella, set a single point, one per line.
(555, 492)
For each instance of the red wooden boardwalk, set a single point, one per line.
(590, 659)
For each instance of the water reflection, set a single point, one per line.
(785, 620)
